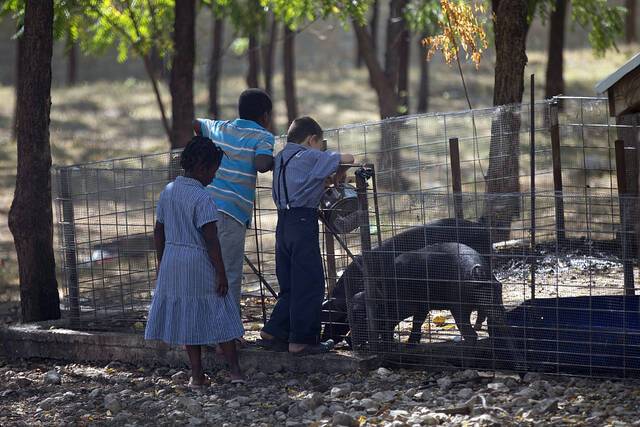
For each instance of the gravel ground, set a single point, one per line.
(40, 393)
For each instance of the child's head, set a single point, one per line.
(201, 158)
(306, 131)
(255, 104)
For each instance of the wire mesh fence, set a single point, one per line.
(532, 190)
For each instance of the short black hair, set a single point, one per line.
(253, 104)
(200, 150)
(301, 128)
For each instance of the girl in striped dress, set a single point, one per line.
(191, 305)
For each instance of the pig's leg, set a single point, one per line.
(480, 318)
(416, 328)
(462, 316)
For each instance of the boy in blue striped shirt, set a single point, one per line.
(248, 146)
(300, 171)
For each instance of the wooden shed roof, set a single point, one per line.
(615, 77)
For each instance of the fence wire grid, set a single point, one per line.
(543, 280)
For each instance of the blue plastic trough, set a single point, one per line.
(588, 335)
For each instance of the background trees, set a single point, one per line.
(133, 29)
(149, 30)
(603, 21)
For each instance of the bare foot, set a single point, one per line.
(199, 381)
(294, 348)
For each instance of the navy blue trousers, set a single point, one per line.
(296, 315)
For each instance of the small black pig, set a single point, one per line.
(445, 276)
(334, 313)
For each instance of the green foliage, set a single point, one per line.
(604, 22)
(423, 15)
(129, 25)
(295, 12)
(66, 19)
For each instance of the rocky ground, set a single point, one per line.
(39, 393)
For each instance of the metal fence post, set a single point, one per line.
(532, 190)
(456, 178)
(69, 242)
(625, 233)
(557, 173)
(371, 297)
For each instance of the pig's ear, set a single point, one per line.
(477, 272)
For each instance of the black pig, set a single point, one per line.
(381, 260)
(445, 276)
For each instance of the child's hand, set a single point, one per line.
(222, 285)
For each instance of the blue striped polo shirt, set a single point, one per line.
(305, 175)
(234, 187)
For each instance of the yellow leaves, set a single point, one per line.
(361, 420)
(461, 27)
(439, 320)
(138, 326)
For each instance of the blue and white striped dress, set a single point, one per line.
(186, 309)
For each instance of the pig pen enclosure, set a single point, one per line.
(452, 247)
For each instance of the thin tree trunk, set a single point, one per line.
(423, 91)
(146, 60)
(630, 21)
(373, 24)
(215, 67)
(555, 81)
(16, 83)
(358, 63)
(268, 51)
(182, 73)
(289, 69)
(157, 61)
(254, 62)
(390, 176)
(30, 217)
(396, 25)
(404, 49)
(510, 29)
(373, 29)
(72, 61)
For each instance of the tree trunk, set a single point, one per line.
(373, 29)
(182, 73)
(510, 29)
(404, 50)
(423, 91)
(30, 217)
(72, 61)
(396, 27)
(289, 64)
(16, 83)
(158, 65)
(390, 176)
(268, 51)
(630, 21)
(215, 66)
(555, 81)
(254, 62)
(373, 24)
